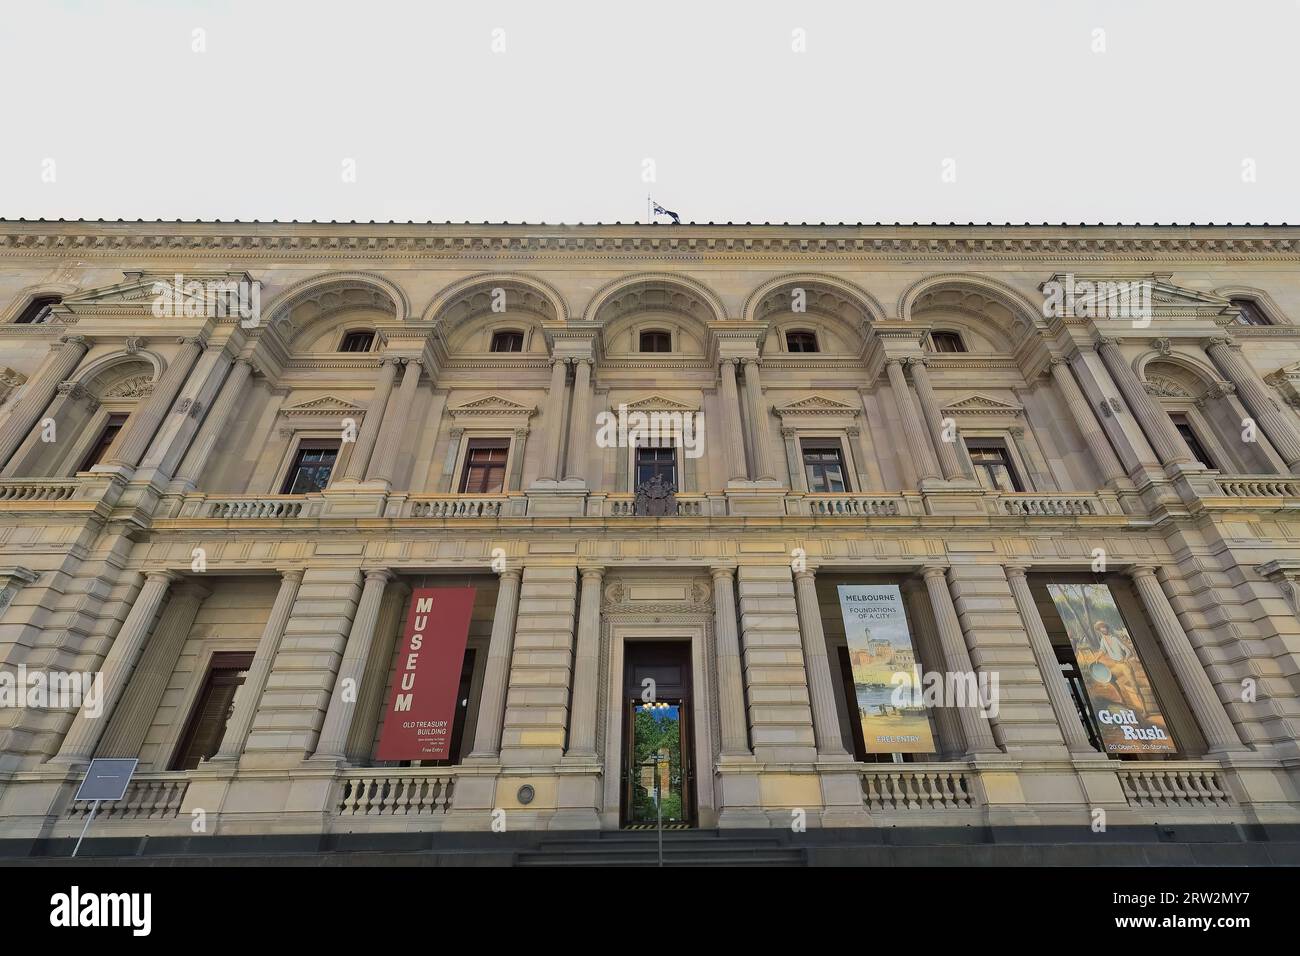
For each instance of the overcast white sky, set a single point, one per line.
(112, 102)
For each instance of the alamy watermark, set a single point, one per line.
(947, 689)
(624, 429)
(209, 299)
(56, 690)
(1099, 299)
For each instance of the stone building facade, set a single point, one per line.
(223, 514)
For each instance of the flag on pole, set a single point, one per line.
(661, 211)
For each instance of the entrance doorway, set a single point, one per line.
(658, 755)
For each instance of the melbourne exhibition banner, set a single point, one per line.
(1123, 704)
(422, 707)
(886, 681)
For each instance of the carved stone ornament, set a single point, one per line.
(656, 498)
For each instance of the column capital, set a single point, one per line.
(1139, 571)
(722, 570)
(291, 574)
(243, 360)
(199, 340)
(591, 571)
(77, 340)
(1015, 570)
(807, 574)
(1058, 360)
(378, 574)
(733, 362)
(1104, 340)
(910, 361)
(934, 570)
(161, 574)
(751, 360)
(1227, 340)
(513, 573)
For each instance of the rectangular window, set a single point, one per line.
(485, 466)
(357, 342)
(656, 463)
(823, 464)
(508, 342)
(105, 441)
(311, 468)
(1193, 443)
(207, 724)
(993, 465)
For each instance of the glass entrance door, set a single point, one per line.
(656, 762)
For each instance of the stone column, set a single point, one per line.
(581, 428)
(338, 717)
(1258, 399)
(821, 686)
(761, 444)
(554, 422)
(798, 480)
(1086, 421)
(516, 481)
(143, 423)
(949, 460)
(586, 667)
(496, 675)
(393, 431)
(268, 646)
(731, 689)
(975, 728)
(1156, 425)
(359, 460)
(215, 424)
(1210, 713)
(148, 682)
(85, 730)
(1058, 694)
(733, 438)
(40, 390)
(65, 414)
(922, 455)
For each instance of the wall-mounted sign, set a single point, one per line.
(426, 677)
(886, 680)
(1123, 703)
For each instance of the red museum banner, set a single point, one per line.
(422, 707)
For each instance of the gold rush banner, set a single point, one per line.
(1123, 703)
(886, 682)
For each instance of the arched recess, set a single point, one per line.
(846, 308)
(329, 293)
(467, 311)
(1010, 314)
(658, 291)
(103, 373)
(653, 302)
(1175, 373)
(523, 292)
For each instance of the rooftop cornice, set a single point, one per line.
(428, 241)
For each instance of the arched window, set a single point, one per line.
(947, 342)
(656, 340)
(801, 341)
(38, 310)
(1250, 312)
(361, 340)
(508, 341)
